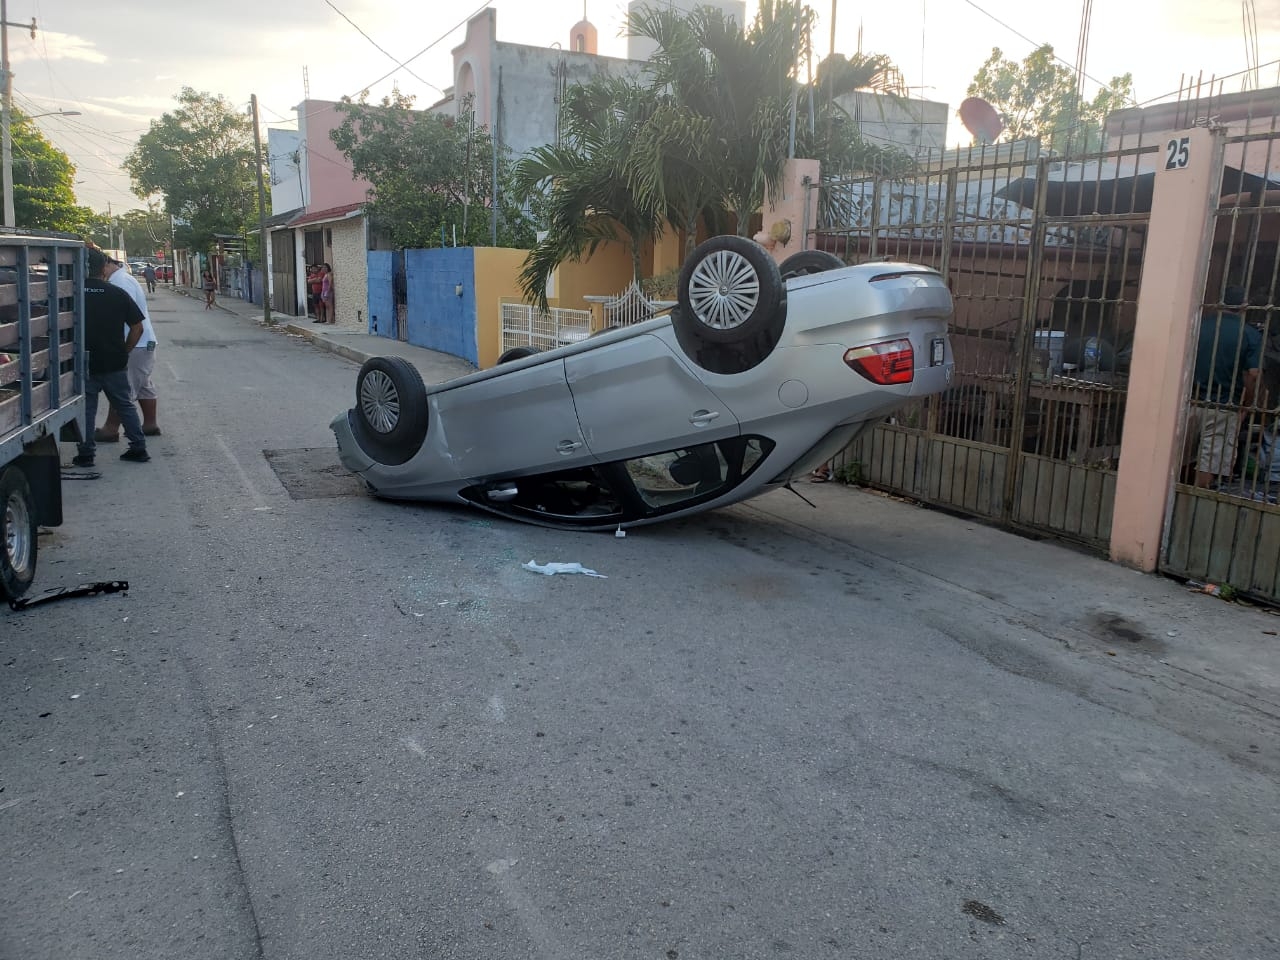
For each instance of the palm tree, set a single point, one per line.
(588, 197)
(729, 101)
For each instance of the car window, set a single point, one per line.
(676, 478)
(626, 489)
(581, 495)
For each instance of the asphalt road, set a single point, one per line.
(321, 726)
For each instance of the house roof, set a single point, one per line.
(280, 219)
(344, 212)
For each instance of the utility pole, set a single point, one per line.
(6, 107)
(262, 214)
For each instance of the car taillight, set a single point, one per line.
(890, 362)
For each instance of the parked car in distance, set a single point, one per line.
(761, 373)
(137, 267)
(164, 271)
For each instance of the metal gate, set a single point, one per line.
(1225, 523)
(284, 279)
(1043, 258)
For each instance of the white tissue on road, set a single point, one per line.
(550, 569)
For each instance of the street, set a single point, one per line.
(324, 726)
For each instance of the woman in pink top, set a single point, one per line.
(326, 295)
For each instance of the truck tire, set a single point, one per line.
(18, 541)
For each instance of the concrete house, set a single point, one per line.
(320, 219)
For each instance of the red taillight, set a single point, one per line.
(890, 362)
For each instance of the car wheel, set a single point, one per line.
(517, 353)
(18, 541)
(809, 261)
(731, 291)
(391, 407)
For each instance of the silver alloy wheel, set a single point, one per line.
(17, 537)
(724, 290)
(379, 401)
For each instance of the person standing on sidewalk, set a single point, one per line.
(108, 311)
(210, 289)
(149, 274)
(142, 361)
(327, 312)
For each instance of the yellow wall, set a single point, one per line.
(497, 278)
(604, 273)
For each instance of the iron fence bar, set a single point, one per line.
(875, 217)
(1024, 340)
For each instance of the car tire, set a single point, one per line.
(391, 408)
(731, 291)
(517, 353)
(806, 262)
(745, 335)
(19, 543)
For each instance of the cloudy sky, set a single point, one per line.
(120, 64)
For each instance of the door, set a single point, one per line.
(284, 295)
(517, 423)
(636, 396)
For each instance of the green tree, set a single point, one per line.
(427, 172)
(200, 157)
(732, 100)
(43, 181)
(1037, 98)
(702, 136)
(145, 231)
(586, 195)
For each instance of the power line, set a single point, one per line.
(1033, 43)
(443, 36)
(389, 56)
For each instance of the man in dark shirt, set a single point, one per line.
(1228, 357)
(107, 310)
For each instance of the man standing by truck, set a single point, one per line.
(142, 360)
(107, 312)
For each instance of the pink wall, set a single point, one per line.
(1174, 266)
(327, 170)
(477, 52)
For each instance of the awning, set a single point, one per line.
(1122, 185)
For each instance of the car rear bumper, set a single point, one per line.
(349, 452)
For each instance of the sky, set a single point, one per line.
(121, 64)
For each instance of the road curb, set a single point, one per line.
(324, 343)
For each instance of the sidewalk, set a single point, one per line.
(349, 342)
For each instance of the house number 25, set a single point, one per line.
(1177, 154)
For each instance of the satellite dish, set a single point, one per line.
(980, 119)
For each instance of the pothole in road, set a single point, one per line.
(313, 473)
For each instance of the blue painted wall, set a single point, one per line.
(438, 318)
(382, 307)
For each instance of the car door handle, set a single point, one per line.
(701, 418)
(568, 446)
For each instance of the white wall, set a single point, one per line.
(284, 150)
(914, 126)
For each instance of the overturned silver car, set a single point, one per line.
(761, 373)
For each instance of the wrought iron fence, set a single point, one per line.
(525, 325)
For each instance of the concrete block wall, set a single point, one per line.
(350, 273)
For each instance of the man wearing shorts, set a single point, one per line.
(142, 361)
(1228, 357)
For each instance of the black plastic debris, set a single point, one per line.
(63, 593)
